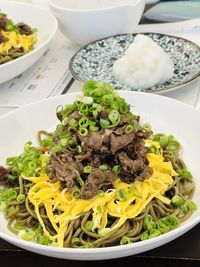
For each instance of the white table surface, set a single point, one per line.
(189, 94)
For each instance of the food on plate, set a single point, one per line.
(15, 39)
(102, 178)
(144, 65)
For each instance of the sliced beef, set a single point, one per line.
(24, 28)
(74, 115)
(118, 142)
(64, 168)
(94, 140)
(142, 134)
(103, 114)
(136, 149)
(145, 174)
(120, 130)
(124, 120)
(129, 164)
(3, 39)
(96, 181)
(3, 174)
(87, 154)
(3, 21)
(4, 178)
(133, 168)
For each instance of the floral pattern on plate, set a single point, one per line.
(95, 60)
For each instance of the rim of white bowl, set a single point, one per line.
(56, 6)
(183, 228)
(42, 44)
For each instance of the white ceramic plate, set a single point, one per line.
(35, 17)
(164, 114)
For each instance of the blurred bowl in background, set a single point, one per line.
(46, 25)
(89, 20)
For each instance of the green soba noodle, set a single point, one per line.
(22, 212)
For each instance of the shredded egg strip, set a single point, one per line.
(48, 194)
(17, 40)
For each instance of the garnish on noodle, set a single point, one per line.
(100, 179)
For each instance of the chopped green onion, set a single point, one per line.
(85, 99)
(184, 208)
(154, 233)
(21, 197)
(47, 142)
(59, 109)
(103, 232)
(153, 149)
(132, 188)
(28, 163)
(184, 173)
(87, 169)
(149, 222)
(72, 146)
(83, 122)
(57, 149)
(8, 194)
(121, 194)
(87, 245)
(101, 193)
(81, 182)
(103, 167)
(2, 206)
(147, 127)
(104, 123)
(191, 205)
(73, 123)
(84, 109)
(83, 131)
(36, 189)
(42, 239)
(89, 225)
(19, 226)
(107, 99)
(135, 124)
(64, 142)
(68, 109)
(128, 129)
(145, 235)
(99, 209)
(28, 236)
(113, 116)
(79, 149)
(93, 128)
(173, 145)
(177, 201)
(164, 141)
(76, 193)
(116, 169)
(168, 223)
(11, 209)
(125, 241)
(76, 241)
(123, 106)
(27, 146)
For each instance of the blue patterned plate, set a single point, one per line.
(95, 60)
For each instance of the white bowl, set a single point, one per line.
(46, 25)
(164, 114)
(89, 20)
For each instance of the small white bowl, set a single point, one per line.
(46, 25)
(89, 20)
